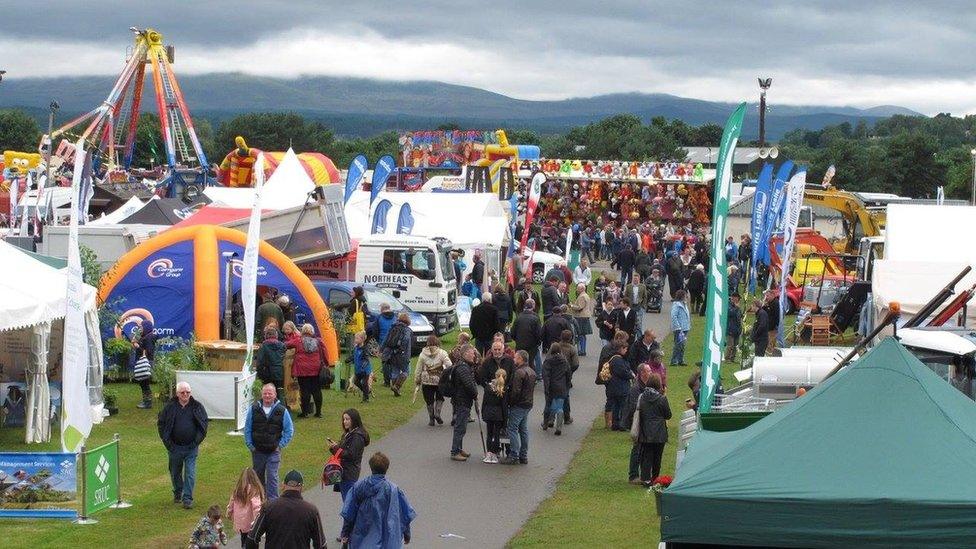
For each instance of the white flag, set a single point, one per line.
(249, 274)
(791, 218)
(76, 418)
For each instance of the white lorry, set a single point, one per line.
(417, 270)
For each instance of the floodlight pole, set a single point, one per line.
(50, 142)
(972, 200)
(764, 84)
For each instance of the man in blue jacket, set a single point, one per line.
(379, 328)
(376, 513)
(267, 430)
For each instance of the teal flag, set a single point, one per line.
(716, 311)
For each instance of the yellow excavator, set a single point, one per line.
(863, 214)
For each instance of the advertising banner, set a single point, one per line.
(244, 389)
(249, 274)
(355, 176)
(791, 218)
(38, 485)
(381, 172)
(716, 309)
(759, 205)
(443, 148)
(76, 417)
(776, 199)
(101, 478)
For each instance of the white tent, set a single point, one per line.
(469, 220)
(32, 309)
(132, 206)
(925, 247)
(287, 187)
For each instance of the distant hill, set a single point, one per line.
(356, 106)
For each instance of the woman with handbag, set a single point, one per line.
(309, 363)
(144, 351)
(649, 428)
(350, 450)
(431, 363)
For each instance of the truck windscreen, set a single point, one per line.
(446, 265)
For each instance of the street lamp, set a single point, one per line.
(972, 200)
(50, 141)
(764, 84)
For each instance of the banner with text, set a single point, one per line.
(716, 309)
(101, 478)
(38, 485)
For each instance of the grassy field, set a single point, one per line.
(593, 504)
(154, 520)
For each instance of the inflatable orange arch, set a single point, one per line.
(206, 278)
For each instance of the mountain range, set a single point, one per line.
(359, 107)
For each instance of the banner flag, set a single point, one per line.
(716, 311)
(791, 216)
(249, 274)
(382, 210)
(510, 255)
(569, 243)
(760, 203)
(355, 175)
(775, 209)
(101, 478)
(22, 223)
(76, 415)
(87, 189)
(532, 200)
(14, 188)
(405, 219)
(940, 195)
(381, 172)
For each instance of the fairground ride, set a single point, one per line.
(110, 128)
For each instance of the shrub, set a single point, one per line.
(172, 354)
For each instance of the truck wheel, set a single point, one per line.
(537, 274)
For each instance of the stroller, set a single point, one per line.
(655, 293)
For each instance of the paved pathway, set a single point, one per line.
(485, 504)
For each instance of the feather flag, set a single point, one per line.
(249, 271)
(775, 208)
(355, 176)
(716, 309)
(791, 217)
(828, 176)
(405, 219)
(381, 172)
(532, 201)
(382, 210)
(759, 205)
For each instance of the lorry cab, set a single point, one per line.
(417, 270)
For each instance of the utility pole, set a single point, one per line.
(50, 142)
(764, 85)
(972, 201)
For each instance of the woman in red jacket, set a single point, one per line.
(309, 361)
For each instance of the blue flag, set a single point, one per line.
(760, 204)
(513, 207)
(381, 172)
(354, 178)
(382, 210)
(777, 197)
(405, 219)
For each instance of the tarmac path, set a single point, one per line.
(484, 504)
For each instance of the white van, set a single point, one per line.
(417, 270)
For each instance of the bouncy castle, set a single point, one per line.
(176, 280)
(237, 167)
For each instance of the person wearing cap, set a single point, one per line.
(288, 521)
(376, 513)
(267, 430)
(287, 310)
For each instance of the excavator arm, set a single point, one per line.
(859, 220)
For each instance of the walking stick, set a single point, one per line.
(477, 413)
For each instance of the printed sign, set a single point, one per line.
(101, 477)
(38, 484)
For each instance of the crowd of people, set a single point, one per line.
(518, 337)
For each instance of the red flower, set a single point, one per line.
(663, 480)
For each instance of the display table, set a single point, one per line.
(228, 356)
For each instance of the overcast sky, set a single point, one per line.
(916, 54)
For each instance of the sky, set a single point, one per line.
(863, 53)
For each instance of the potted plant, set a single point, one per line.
(658, 485)
(110, 399)
(118, 349)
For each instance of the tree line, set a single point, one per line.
(907, 155)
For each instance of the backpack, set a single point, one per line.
(332, 473)
(603, 374)
(446, 383)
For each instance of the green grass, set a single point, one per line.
(154, 520)
(593, 504)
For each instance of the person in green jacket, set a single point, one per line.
(266, 312)
(270, 360)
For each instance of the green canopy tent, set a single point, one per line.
(883, 454)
